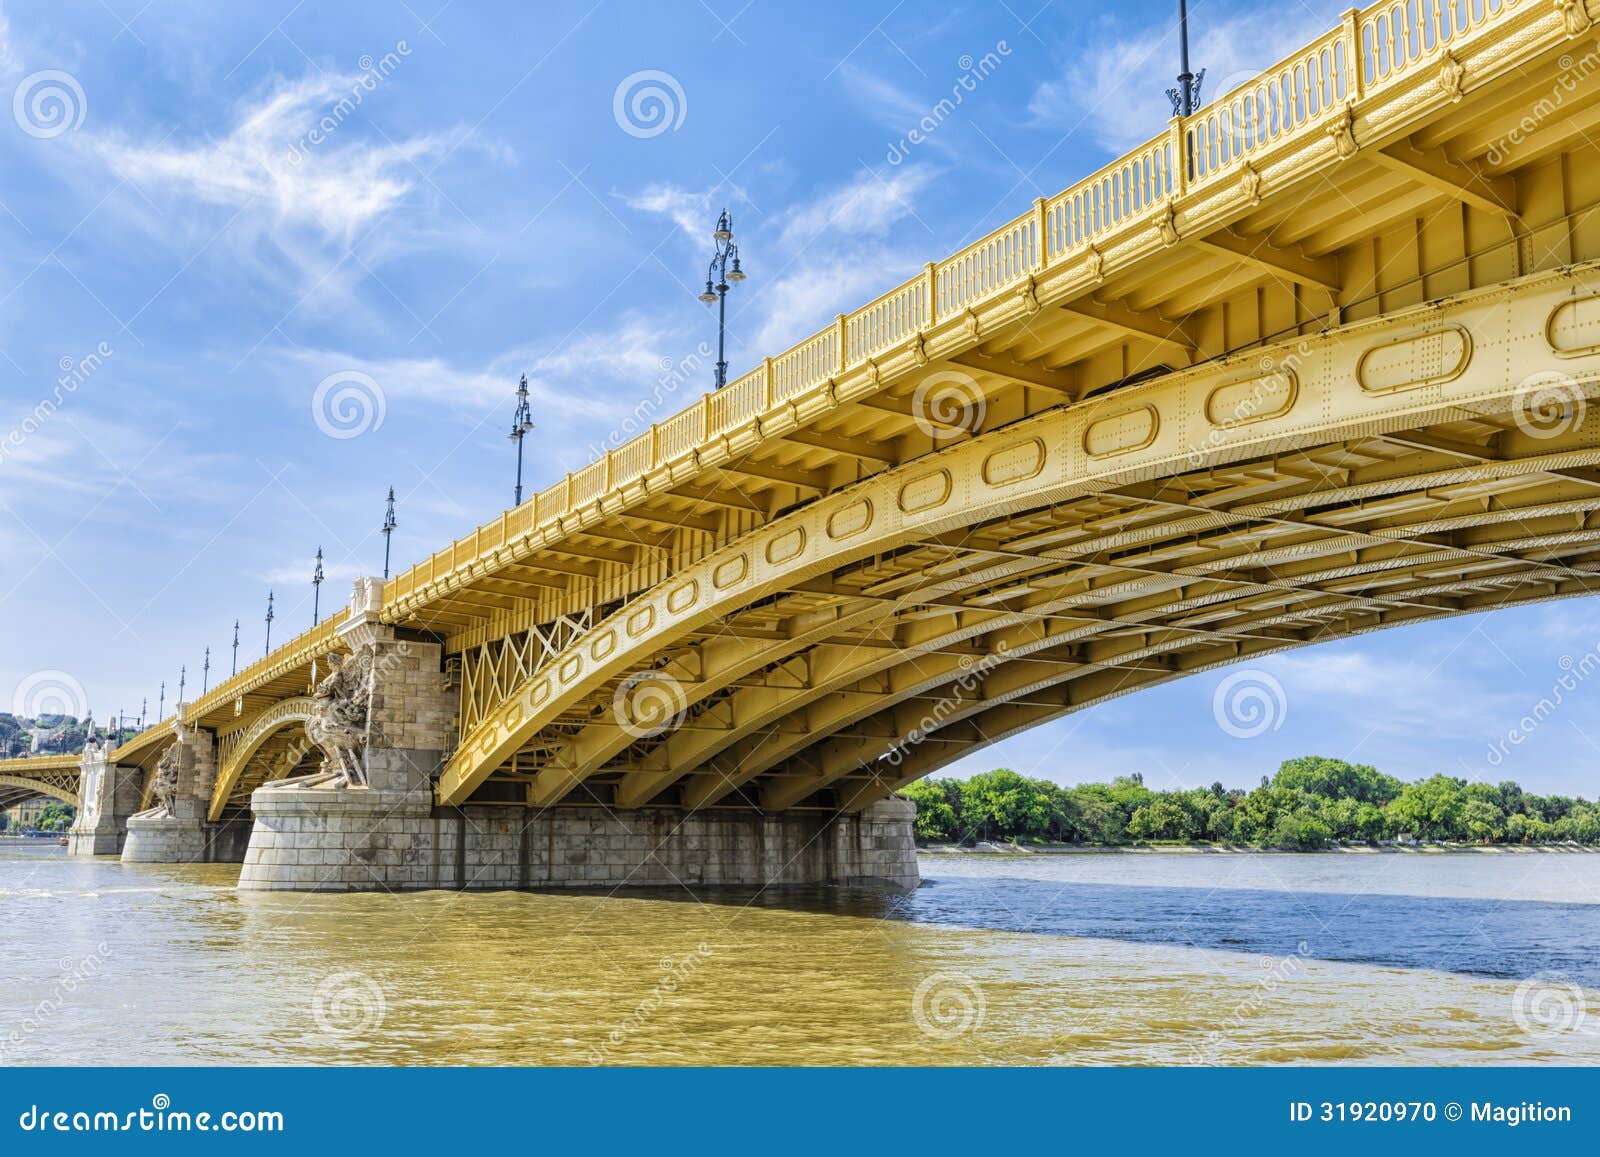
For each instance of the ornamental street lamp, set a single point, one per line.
(521, 423)
(388, 529)
(316, 591)
(161, 703)
(1186, 97)
(205, 674)
(718, 276)
(268, 651)
(183, 677)
(235, 670)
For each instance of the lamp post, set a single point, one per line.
(268, 651)
(205, 674)
(235, 670)
(521, 423)
(316, 591)
(388, 529)
(718, 277)
(161, 702)
(1186, 97)
(144, 705)
(183, 678)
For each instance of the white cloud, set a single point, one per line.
(1115, 88)
(891, 105)
(867, 206)
(8, 59)
(688, 209)
(267, 163)
(339, 574)
(592, 375)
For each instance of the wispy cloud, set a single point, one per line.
(886, 102)
(590, 376)
(869, 205)
(1114, 88)
(268, 164)
(8, 60)
(687, 208)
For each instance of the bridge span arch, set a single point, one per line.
(239, 771)
(16, 788)
(1429, 462)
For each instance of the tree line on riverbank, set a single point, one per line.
(1311, 802)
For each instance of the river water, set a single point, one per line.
(1071, 959)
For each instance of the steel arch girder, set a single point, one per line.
(1146, 431)
(1007, 719)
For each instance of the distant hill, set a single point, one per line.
(44, 735)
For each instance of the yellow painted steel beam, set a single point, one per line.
(1042, 462)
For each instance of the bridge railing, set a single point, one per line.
(1386, 41)
(40, 764)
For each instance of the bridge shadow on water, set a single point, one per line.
(1503, 939)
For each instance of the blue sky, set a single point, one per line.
(208, 225)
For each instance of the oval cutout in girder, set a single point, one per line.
(1014, 463)
(1408, 363)
(1119, 433)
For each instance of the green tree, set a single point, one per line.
(1431, 809)
(1582, 824)
(1301, 829)
(1163, 818)
(1483, 821)
(936, 817)
(55, 817)
(1337, 779)
(1001, 804)
(1094, 816)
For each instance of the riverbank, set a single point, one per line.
(1001, 849)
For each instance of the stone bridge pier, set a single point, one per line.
(176, 830)
(373, 824)
(109, 795)
(384, 720)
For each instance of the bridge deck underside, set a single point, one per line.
(283, 754)
(929, 652)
